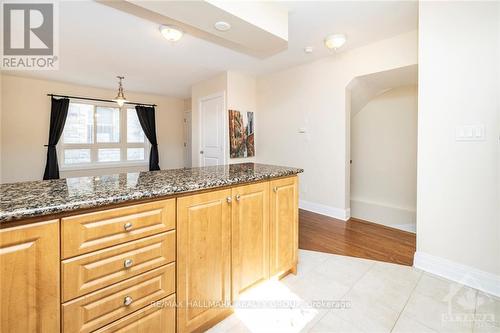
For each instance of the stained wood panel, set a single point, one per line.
(250, 236)
(29, 278)
(157, 317)
(203, 259)
(284, 225)
(92, 271)
(93, 231)
(92, 311)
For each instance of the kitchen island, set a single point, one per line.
(165, 251)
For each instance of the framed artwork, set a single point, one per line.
(241, 134)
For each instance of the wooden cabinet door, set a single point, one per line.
(284, 225)
(250, 236)
(203, 259)
(29, 278)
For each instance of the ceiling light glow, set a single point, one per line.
(335, 41)
(171, 33)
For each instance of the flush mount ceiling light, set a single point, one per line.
(222, 26)
(171, 33)
(308, 49)
(335, 41)
(120, 97)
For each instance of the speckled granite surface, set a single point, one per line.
(39, 198)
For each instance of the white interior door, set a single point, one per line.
(212, 130)
(187, 139)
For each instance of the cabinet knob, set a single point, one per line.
(128, 263)
(275, 189)
(229, 199)
(127, 301)
(127, 226)
(237, 197)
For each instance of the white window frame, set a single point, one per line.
(94, 147)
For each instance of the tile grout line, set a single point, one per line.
(407, 300)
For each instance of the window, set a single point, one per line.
(102, 136)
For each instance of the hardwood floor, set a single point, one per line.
(355, 238)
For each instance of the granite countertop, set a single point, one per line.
(39, 198)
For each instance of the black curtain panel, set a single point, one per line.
(58, 114)
(146, 115)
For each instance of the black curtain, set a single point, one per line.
(58, 114)
(146, 115)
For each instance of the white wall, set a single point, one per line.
(199, 90)
(458, 201)
(240, 94)
(313, 96)
(384, 154)
(25, 126)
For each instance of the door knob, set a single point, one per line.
(127, 226)
(237, 197)
(202, 152)
(275, 189)
(229, 199)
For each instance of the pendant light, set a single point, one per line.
(120, 98)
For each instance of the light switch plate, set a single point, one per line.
(470, 133)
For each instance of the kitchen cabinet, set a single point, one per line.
(283, 226)
(250, 236)
(29, 278)
(203, 259)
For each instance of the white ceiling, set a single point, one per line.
(98, 42)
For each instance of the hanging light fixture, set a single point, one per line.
(120, 98)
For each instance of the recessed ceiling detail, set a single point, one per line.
(259, 29)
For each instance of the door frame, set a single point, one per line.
(225, 128)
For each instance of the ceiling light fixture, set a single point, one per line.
(335, 41)
(120, 97)
(222, 26)
(171, 33)
(308, 49)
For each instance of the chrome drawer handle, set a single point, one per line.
(127, 226)
(127, 301)
(128, 263)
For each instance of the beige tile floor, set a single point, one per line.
(368, 296)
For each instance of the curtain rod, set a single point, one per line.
(99, 100)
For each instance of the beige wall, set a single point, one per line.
(199, 90)
(240, 94)
(25, 126)
(313, 97)
(384, 154)
(458, 205)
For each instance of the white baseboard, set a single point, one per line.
(338, 213)
(394, 217)
(469, 276)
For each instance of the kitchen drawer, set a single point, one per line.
(93, 231)
(149, 319)
(92, 271)
(100, 308)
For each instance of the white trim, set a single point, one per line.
(338, 213)
(391, 216)
(469, 276)
(225, 126)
